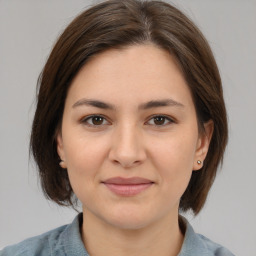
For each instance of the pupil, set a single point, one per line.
(159, 120)
(97, 120)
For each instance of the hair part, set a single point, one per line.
(117, 24)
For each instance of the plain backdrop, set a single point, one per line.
(28, 30)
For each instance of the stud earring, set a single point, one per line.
(199, 161)
(62, 164)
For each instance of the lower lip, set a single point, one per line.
(129, 189)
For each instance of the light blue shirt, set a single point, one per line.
(66, 241)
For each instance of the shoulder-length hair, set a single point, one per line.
(116, 24)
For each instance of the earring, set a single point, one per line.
(62, 164)
(199, 161)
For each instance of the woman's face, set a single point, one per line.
(129, 136)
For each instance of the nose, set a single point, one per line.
(127, 147)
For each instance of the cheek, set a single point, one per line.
(83, 152)
(177, 150)
(84, 157)
(173, 157)
(83, 169)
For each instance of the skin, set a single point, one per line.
(127, 141)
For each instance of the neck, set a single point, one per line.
(162, 238)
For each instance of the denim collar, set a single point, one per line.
(67, 241)
(70, 241)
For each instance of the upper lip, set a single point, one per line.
(127, 181)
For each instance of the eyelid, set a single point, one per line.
(85, 119)
(170, 120)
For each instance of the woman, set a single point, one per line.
(131, 121)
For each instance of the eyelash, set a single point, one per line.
(85, 120)
(166, 118)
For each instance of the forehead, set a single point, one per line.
(137, 72)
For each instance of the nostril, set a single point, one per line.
(127, 149)
(126, 162)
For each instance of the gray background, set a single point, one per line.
(27, 32)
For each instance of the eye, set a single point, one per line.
(95, 120)
(160, 120)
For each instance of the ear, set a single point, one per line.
(60, 147)
(203, 144)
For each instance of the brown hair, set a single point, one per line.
(116, 24)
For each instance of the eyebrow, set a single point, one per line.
(160, 103)
(94, 103)
(144, 106)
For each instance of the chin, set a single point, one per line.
(129, 224)
(129, 219)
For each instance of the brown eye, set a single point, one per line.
(160, 121)
(95, 121)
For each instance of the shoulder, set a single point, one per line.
(41, 245)
(213, 248)
(196, 244)
(63, 241)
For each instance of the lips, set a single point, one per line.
(127, 186)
